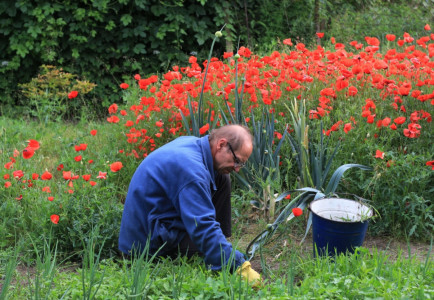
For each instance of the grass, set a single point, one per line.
(295, 275)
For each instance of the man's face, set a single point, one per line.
(228, 159)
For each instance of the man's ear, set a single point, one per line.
(221, 143)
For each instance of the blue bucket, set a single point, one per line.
(338, 225)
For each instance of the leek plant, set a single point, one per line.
(262, 174)
(314, 163)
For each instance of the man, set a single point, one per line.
(179, 199)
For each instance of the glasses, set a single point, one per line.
(238, 163)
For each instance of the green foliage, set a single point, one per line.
(402, 193)
(366, 273)
(88, 207)
(97, 39)
(47, 95)
(379, 18)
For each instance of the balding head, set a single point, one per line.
(221, 141)
(236, 135)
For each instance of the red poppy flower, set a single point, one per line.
(113, 119)
(393, 126)
(124, 85)
(60, 167)
(20, 197)
(137, 77)
(159, 123)
(400, 120)
(287, 42)
(297, 211)
(80, 147)
(227, 55)
(102, 175)
(243, 51)
(34, 144)
(347, 127)
(204, 129)
(28, 153)
(320, 35)
(93, 132)
(72, 94)
(18, 174)
(50, 198)
(379, 154)
(116, 166)
(55, 219)
(92, 183)
(385, 122)
(67, 175)
(6, 176)
(113, 108)
(372, 41)
(430, 164)
(427, 27)
(352, 91)
(390, 37)
(8, 184)
(46, 176)
(288, 197)
(9, 165)
(86, 177)
(341, 84)
(78, 158)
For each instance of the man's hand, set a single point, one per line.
(249, 274)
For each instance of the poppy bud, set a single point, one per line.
(218, 34)
(297, 211)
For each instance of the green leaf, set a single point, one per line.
(336, 177)
(139, 49)
(126, 19)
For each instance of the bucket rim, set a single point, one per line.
(365, 219)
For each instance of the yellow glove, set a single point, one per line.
(249, 274)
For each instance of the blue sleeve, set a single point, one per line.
(198, 215)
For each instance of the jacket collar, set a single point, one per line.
(207, 157)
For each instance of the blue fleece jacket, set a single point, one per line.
(170, 195)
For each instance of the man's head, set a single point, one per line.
(231, 146)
